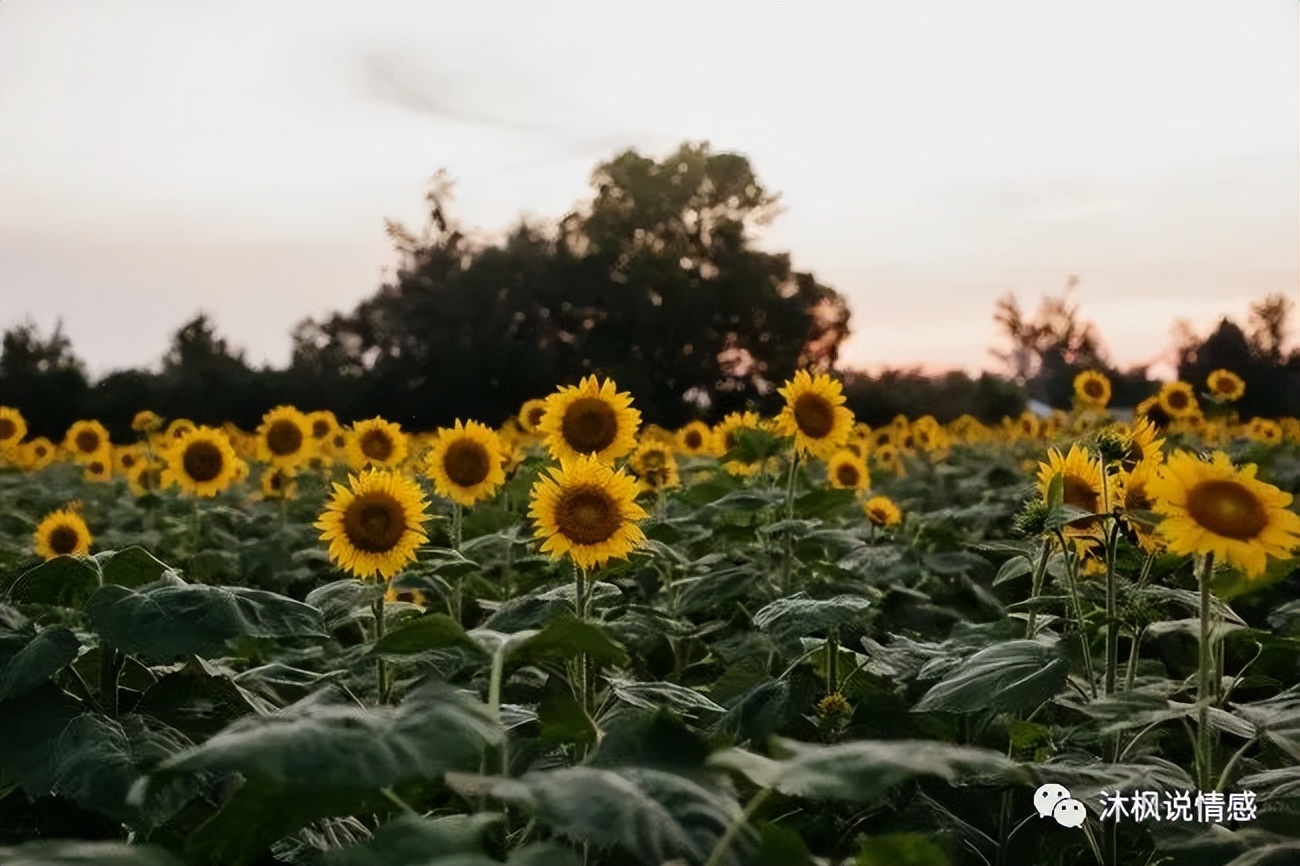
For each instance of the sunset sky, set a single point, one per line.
(240, 158)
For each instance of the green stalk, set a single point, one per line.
(734, 828)
(382, 681)
(1071, 569)
(787, 562)
(832, 661)
(1112, 613)
(1203, 688)
(1036, 589)
(110, 668)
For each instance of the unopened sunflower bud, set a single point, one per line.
(833, 706)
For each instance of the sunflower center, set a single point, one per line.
(87, 441)
(374, 522)
(320, 428)
(878, 515)
(63, 540)
(128, 460)
(847, 474)
(693, 439)
(1227, 508)
(96, 467)
(535, 416)
(1177, 400)
(466, 463)
(1224, 385)
(588, 516)
(150, 479)
(203, 461)
(377, 445)
(284, 437)
(1081, 494)
(590, 425)
(653, 460)
(8, 429)
(1094, 389)
(1136, 499)
(814, 416)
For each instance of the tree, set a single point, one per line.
(42, 378)
(1272, 378)
(1268, 321)
(654, 282)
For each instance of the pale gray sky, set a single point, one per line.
(240, 158)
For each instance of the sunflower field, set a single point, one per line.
(580, 639)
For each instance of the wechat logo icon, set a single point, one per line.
(1055, 800)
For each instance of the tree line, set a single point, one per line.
(655, 281)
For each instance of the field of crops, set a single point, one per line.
(581, 639)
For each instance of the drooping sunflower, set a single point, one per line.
(1225, 386)
(882, 511)
(377, 443)
(727, 436)
(591, 418)
(145, 421)
(86, 439)
(1177, 399)
(465, 462)
(1142, 442)
(1082, 483)
(847, 471)
(1092, 389)
(696, 439)
(38, 453)
(586, 510)
(375, 524)
(1135, 498)
(62, 533)
(655, 466)
(13, 426)
(530, 415)
(285, 438)
(202, 462)
(1214, 507)
(814, 414)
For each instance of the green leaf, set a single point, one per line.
(1009, 676)
(344, 601)
(131, 567)
(32, 725)
(900, 849)
(824, 502)
(567, 638)
(778, 846)
(1017, 566)
(73, 852)
(66, 581)
(428, 632)
(27, 660)
(1056, 492)
(1230, 583)
(865, 771)
(411, 841)
(652, 695)
(199, 700)
(798, 615)
(164, 622)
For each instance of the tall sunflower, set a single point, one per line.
(377, 443)
(375, 524)
(882, 511)
(587, 511)
(530, 415)
(1092, 389)
(62, 533)
(1135, 498)
(285, 438)
(847, 471)
(1177, 399)
(86, 439)
(814, 414)
(13, 426)
(1082, 483)
(1141, 441)
(1225, 386)
(146, 421)
(592, 418)
(696, 439)
(202, 462)
(465, 462)
(1217, 508)
(278, 483)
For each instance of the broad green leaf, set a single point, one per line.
(900, 849)
(1230, 583)
(29, 658)
(1017, 566)
(865, 771)
(412, 841)
(432, 631)
(32, 724)
(343, 601)
(567, 638)
(65, 580)
(778, 846)
(198, 700)
(661, 740)
(798, 615)
(653, 695)
(164, 622)
(1007, 676)
(131, 567)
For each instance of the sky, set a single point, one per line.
(158, 159)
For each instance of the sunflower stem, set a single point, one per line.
(1203, 680)
(787, 561)
(110, 668)
(737, 824)
(580, 601)
(1035, 589)
(1112, 614)
(1071, 569)
(382, 679)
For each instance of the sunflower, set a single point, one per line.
(374, 525)
(285, 438)
(586, 510)
(1213, 507)
(882, 511)
(1027, 426)
(465, 462)
(1082, 483)
(696, 439)
(1141, 441)
(126, 456)
(814, 414)
(62, 533)
(38, 453)
(530, 415)
(405, 596)
(1092, 389)
(99, 468)
(1177, 399)
(889, 459)
(593, 418)
(884, 437)
(1265, 430)
(202, 462)
(1225, 386)
(145, 421)
(279, 483)
(727, 435)
(145, 478)
(655, 466)
(847, 471)
(13, 426)
(178, 428)
(322, 425)
(1135, 498)
(377, 443)
(86, 439)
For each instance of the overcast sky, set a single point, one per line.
(240, 158)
